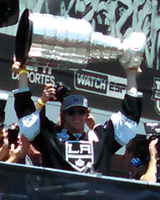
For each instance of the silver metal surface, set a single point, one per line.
(133, 50)
(68, 39)
(56, 39)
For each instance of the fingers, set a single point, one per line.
(90, 121)
(153, 148)
(5, 143)
(17, 66)
(154, 142)
(19, 142)
(15, 149)
(12, 147)
(48, 93)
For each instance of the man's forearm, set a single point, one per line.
(3, 152)
(12, 159)
(151, 173)
(23, 81)
(131, 81)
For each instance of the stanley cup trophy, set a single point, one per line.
(44, 40)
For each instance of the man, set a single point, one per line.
(4, 149)
(8, 151)
(141, 158)
(67, 146)
(151, 174)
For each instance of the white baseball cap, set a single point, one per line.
(74, 100)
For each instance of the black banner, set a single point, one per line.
(38, 183)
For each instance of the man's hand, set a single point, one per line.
(133, 50)
(49, 92)
(151, 173)
(90, 121)
(17, 66)
(4, 149)
(15, 153)
(153, 148)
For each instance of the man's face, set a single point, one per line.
(75, 119)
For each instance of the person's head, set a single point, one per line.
(74, 113)
(13, 130)
(136, 156)
(139, 147)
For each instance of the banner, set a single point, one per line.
(38, 183)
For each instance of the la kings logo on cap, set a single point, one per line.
(75, 101)
(79, 154)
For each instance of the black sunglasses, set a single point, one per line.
(79, 111)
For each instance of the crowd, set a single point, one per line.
(141, 157)
(11, 143)
(65, 144)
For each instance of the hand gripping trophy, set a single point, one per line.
(43, 39)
